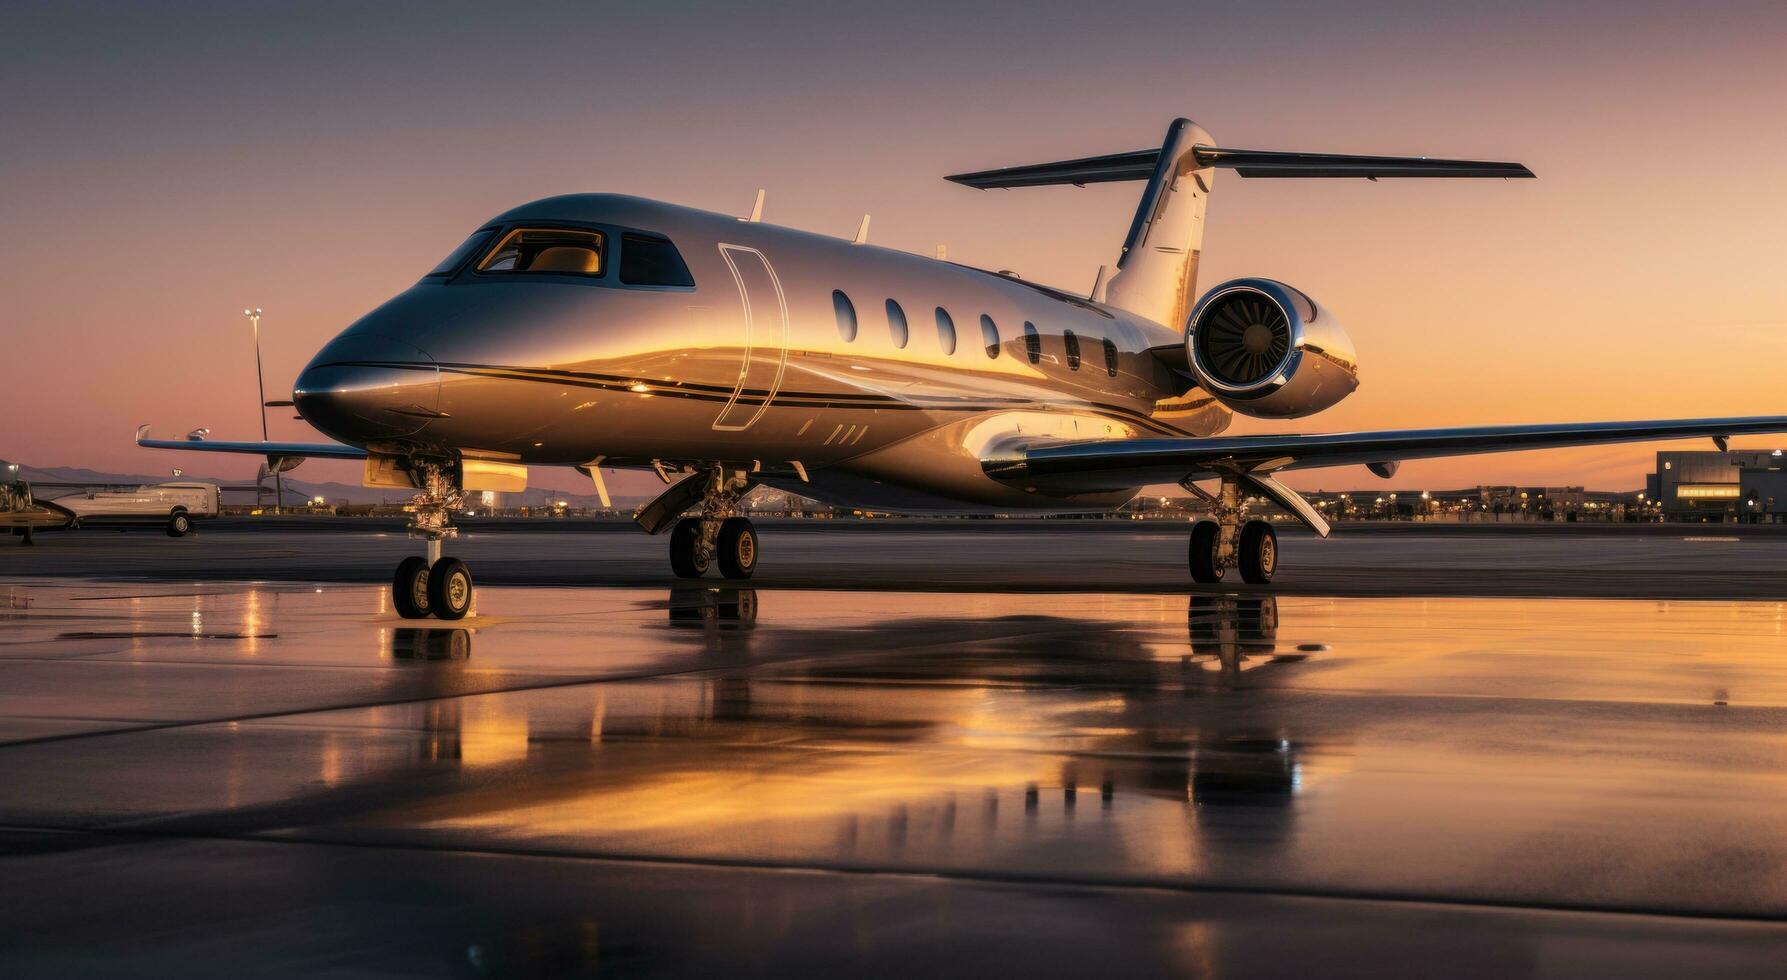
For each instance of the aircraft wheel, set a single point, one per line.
(738, 548)
(1204, 537)
(24, 534)
(1259, 552)
(685, 545)
(450, 589)
(179, 525)
(409, 589)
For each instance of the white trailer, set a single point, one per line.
(174, 506)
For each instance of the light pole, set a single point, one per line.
(260, 386)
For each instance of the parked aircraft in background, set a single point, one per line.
(596, 330)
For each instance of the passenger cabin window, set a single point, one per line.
(846, 313)
(466, 250)
(1110, 357)
(989, 335)
(1032, 343)
(554, 251)
(650, 260)
(946, 331)
(1072, 343)
(896, 324)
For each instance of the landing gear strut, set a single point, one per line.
(1229, 542)
(433, 585)
(719, 536)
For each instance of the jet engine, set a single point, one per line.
(1265, 349)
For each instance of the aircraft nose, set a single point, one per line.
(365, 388)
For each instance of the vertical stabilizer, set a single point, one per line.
(1158, 270)
(1157, 274)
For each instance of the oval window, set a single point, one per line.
(1072, 342)
(989, 335)
(1032, 343)
(1110, 357)
(846, 311)
(896, 324)
(946, 331)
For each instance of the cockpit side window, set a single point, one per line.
(466, 250)
(650, 260)
(553, 251)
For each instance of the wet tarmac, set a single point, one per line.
(241, 779)
(1591, 560)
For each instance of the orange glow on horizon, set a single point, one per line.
(1631, 280)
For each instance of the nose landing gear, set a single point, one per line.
(433, 585)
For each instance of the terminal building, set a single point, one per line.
(1740, 486)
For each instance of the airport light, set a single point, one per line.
(260, 386)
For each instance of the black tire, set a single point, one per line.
(1204, 537)
(179, 524)
(737, 551)
(685, 541)
(409, 588)
(24, 534)
(1259, 552)
(450, 589)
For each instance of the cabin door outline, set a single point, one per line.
(765, 356)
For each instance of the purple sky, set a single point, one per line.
(166, 165)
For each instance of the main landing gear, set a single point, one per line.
(1228, 542)
(719, 536)
(434, 585)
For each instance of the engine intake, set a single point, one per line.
(1265, 349)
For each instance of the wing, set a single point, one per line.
(271, 450)
(1084, 467)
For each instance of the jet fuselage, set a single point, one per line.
(758, 362)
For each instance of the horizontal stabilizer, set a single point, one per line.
(1086, 170)
(1140, 165)
(1272, 163)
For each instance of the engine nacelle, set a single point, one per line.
(1265, 349)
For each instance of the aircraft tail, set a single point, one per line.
(1157, 271)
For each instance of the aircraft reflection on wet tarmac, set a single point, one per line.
(1228, 638)
(575, 777)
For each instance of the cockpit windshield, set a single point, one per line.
(562, 251)
(465, 250)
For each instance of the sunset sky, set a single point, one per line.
(165, 165)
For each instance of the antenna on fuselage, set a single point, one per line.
(756, 208)
(862, 232)
(1098, 284)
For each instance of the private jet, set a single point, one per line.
(723, 353)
